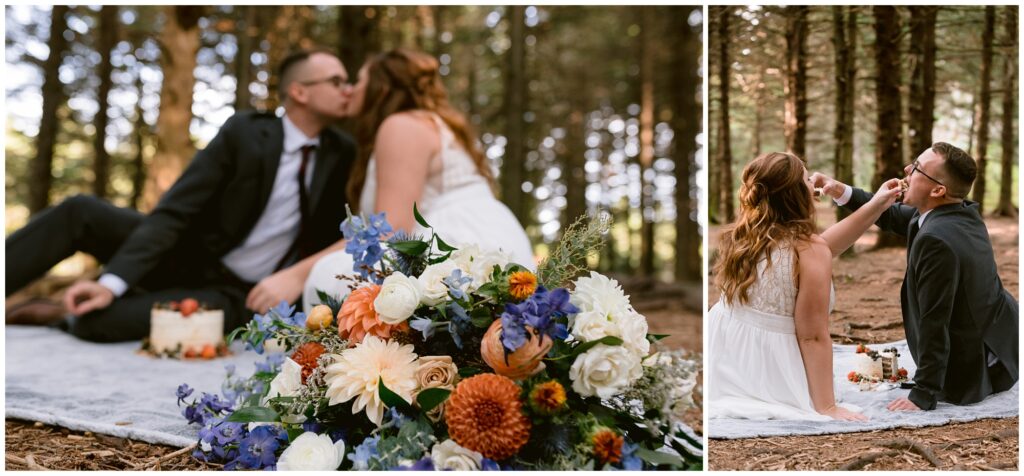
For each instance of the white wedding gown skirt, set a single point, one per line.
(469, 215)
(754, 367)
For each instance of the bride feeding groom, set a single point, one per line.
(769, 349)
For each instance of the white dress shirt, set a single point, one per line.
(277, 226)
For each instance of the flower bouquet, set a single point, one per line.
(455, 358)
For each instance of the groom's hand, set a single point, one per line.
(86, 296)
(903, 404)
(828, 185)
(283, 285)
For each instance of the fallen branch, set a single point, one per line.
(916, 446)
(836, 335)
(151, 465)
(866, 460)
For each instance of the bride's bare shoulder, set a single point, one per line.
(413, 126)
(814, 248)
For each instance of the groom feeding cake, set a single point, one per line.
(961, 324)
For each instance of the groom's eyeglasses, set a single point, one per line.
(917, 168)
(336, 81)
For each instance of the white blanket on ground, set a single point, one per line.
(873, 403)
(54, 378)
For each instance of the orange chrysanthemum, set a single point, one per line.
(306, 356)
(484, 414)
(357, 317)
(547, 398)
(607, 446)
(522, 284)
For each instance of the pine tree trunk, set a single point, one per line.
(179, 44)
(844, 42)
(759, 112)
(922, 80)
(289, 32)
(889, 134)
(108, 26)
(53, 97)
(647, 206)
(1006, 207)
(358, 35)
(686, 124)
(572, 157)
(795, 87)
(139, 162)
(724, 152)
(987, 37)
(243, 58)
(513, 165)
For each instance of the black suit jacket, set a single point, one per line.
(955, 309)
(216, 202)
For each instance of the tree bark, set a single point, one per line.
(358, 35)
(108, 26)
(53, 97)
(573, 163)
(686, 123)
(987, 38)
(179, 44)
(1006, 207)
(648, 213)
(922, 83)
(844, 41)
(795, 125)
(139, 162)
(724, 152)
(889, 132)
(246, 32)
(513, 165)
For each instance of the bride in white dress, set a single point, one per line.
(414, 147)
(769, 352)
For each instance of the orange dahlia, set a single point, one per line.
(484, 414)
(306, 356)
(522, 284)
(607, 446)
(357, 317)
(547, 398)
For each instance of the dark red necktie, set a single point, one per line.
(299, 244)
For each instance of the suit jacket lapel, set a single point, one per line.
(273, 145)
(326, 159)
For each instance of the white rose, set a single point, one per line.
(287, 383)
(593, 325)
(478, 263)
(398, 299)
(633, 331)
(599, 293)
(630, 326)
(432, 282)
(449, 455)
(604, 370)
(312, 452)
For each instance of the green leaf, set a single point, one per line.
(439, 259)
(656, 337)
(431, 398)
(658, 458)
(482, 322)
(606, 340)
(419, 218)
(253, 415)
(294, 433)
(468, 371)
(234, 334)
(392, 399)
(442, 246)
(409, 247)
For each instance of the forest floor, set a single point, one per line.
(670, 309)
(867, 310)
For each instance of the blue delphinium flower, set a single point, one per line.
(454, 282)
(257, 450)
(272, 364)
(363, 240)
(513, 326)
(544, 311)
(424, 464)
(487, 464)
(424, 325)
(630, 461)
(460, 323)
(183, 392)
(360, 456)
(229, 432)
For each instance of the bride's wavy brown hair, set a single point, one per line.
(776, 208)
(405, 80)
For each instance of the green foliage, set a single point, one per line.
(413, 440)
(569, 257)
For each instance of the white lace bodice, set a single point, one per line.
(451, 170)
(775, 289)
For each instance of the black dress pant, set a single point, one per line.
(94, 226)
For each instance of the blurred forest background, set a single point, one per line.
(861, 91)
(581, 109)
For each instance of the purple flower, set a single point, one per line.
(422, 465)
(183, 392)
(363, 240)
(487, 464)
(361, 455)
(229, 432)
(257, 450)
(630, 461)
(544, 311)
(513, 327)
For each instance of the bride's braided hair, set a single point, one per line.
(776, 208)
(405, 80)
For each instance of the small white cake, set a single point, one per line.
(195, 332)
(867, 366)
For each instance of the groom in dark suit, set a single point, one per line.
(239, 230)
(961, 324)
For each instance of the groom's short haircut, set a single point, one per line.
(290, 65)
(961, 170)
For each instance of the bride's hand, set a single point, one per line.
(839, 413)
(887, 193)
(284, 285)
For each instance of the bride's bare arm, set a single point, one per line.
(845, 233)
(403, 148)
(811, 316)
